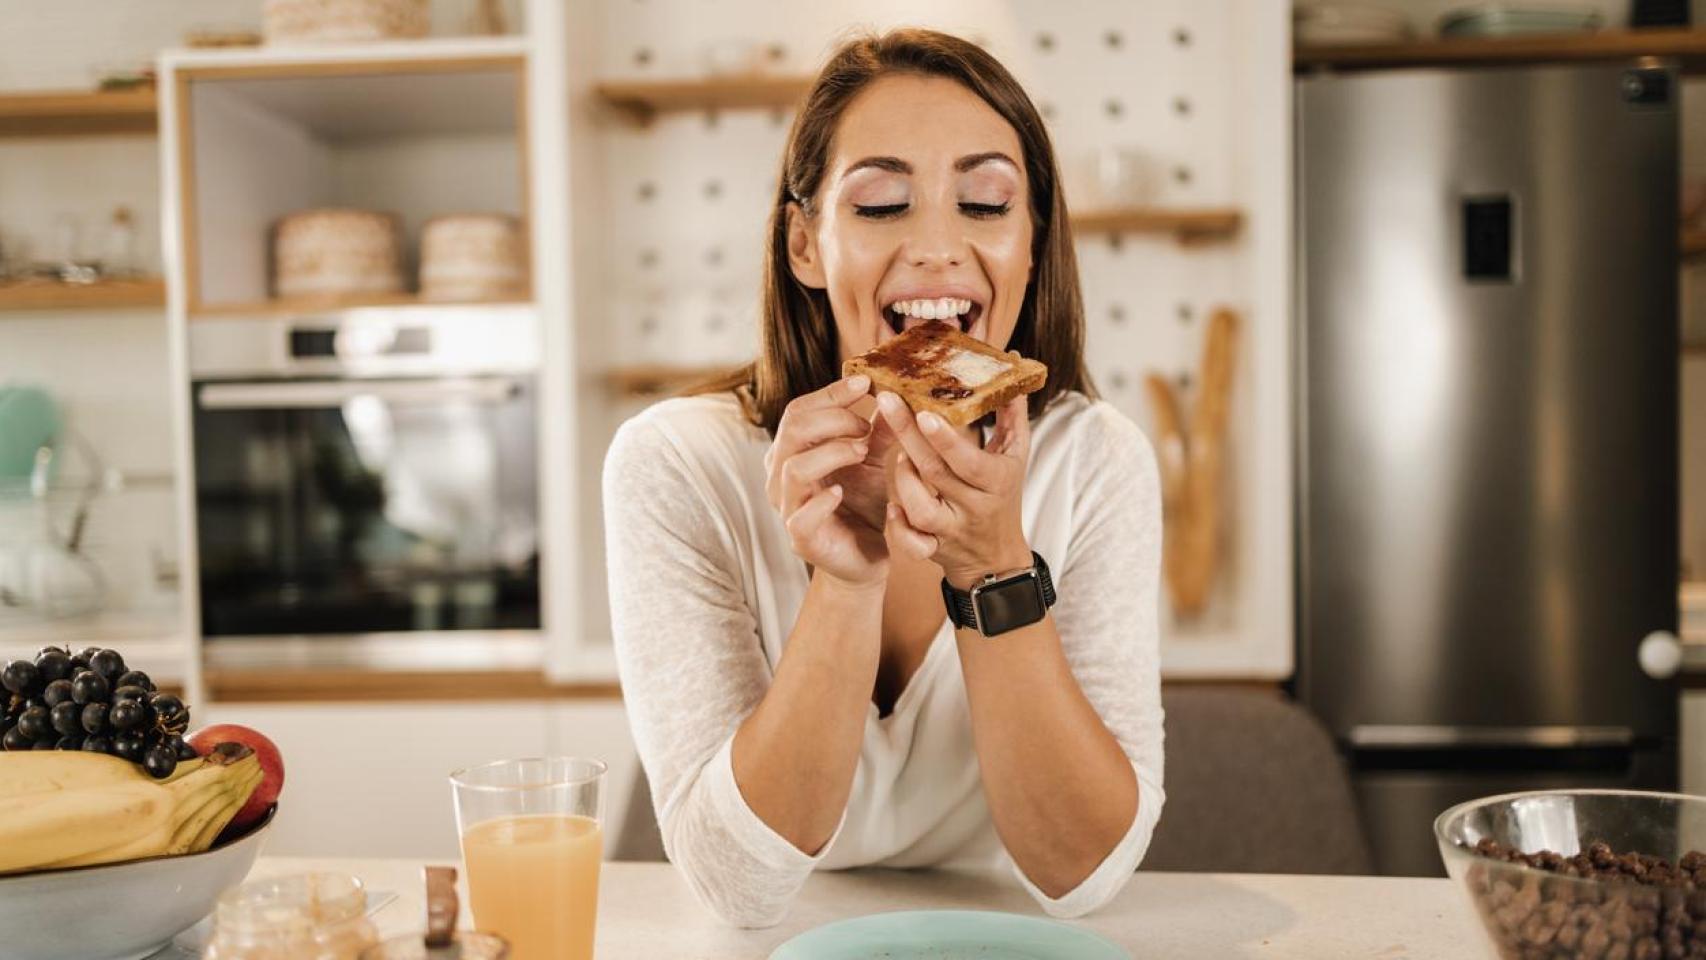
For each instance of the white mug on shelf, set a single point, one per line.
(1123, 175)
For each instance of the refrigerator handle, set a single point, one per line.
(1418, 737)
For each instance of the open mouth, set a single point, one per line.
(903, 315)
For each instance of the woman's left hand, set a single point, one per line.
(953, 501)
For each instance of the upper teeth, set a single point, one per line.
(938, 309)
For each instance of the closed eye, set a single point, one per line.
(881, 211)
(985, 210)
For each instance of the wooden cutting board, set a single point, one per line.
(1191, 456)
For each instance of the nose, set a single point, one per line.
(938, 242)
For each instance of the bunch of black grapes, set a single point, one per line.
(91, 701)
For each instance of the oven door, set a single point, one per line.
(361, 506)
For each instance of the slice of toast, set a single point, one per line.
(935, 367)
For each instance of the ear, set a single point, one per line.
(803, 256)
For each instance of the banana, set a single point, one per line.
(162, 837)
(31, 772)
(217, 823)
(106, 821)
(41, 828)
(50, 771)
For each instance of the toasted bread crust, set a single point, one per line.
(909, 366)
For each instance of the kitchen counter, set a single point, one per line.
(647, 911)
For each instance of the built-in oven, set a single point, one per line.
(370, 474)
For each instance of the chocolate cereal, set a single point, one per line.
(1637, 907)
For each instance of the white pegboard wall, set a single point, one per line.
(688, 195)
(686, 200)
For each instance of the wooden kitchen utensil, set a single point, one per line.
(1192, 464)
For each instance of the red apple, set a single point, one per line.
(272, 766)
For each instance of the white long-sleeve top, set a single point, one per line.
(704, 592)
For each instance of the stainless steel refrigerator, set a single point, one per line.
(1487, 432)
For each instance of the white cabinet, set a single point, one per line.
(371, 779)
(599, 729)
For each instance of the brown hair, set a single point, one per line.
(798, 342)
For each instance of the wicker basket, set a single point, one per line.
(337, 253)
(473, 256)
(343, 21)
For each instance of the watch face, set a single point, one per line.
(1009, 604)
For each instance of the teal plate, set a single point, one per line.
(948, 935)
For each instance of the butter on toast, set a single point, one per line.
(935, 367)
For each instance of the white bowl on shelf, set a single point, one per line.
(120, 911)
(1331, 23)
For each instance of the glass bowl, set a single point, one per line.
(1528, 912)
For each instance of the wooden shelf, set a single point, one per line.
(290, 305)
(644, 99)
(50, 295)
(1189, 227)
(76, 113)
(656, 379)
(1685, 45)
(309, 685)
(1693, 243)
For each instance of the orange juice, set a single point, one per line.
(534, 881)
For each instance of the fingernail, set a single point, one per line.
(931, 422)
(890, 402)
(861, 448)
(835, 490)
(859, 382)
(892, 511)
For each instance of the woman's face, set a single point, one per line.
(923, 213)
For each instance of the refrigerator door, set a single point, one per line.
(1488, 403)
(1400, 794)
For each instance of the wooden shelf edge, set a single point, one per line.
(644, 99)
(1692, 243)
(292, 305)
(78, 113)
(1686, 44)
(33, 295)
(1188, 226)
(325, 685)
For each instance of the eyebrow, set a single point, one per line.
(979, 159)
(897, 165)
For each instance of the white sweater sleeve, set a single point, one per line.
(1108, 620)
(692, 668)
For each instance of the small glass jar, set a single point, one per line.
(311, 916)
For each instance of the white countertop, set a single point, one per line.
(646, 912)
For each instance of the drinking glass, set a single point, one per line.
(532, 841)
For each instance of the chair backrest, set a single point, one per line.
(638, 837)
(1254, 785)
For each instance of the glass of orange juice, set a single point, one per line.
(532, 840)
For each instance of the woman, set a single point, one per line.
(778, 544)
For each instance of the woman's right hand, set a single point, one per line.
(819, 435)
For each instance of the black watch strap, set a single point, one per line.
(960, 608)
(963, 612)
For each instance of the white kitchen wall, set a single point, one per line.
(108, 371)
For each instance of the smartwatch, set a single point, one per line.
(1002, 602)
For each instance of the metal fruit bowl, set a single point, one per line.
(120, 911)
(1529, 912)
